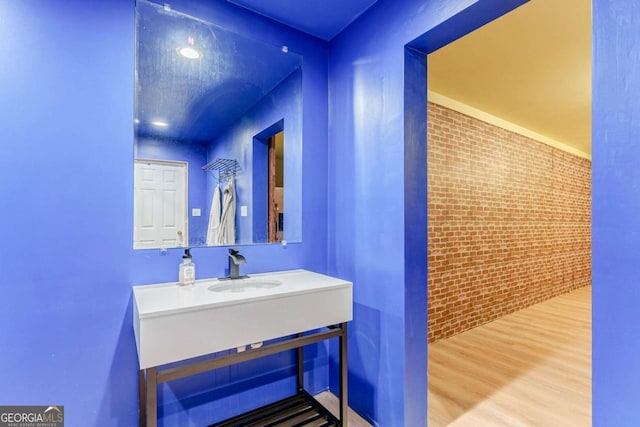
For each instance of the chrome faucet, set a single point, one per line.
(235, 259)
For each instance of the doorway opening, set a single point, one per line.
(269, 184)
(275, 201)
(509, 220)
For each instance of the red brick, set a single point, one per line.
(509, 222)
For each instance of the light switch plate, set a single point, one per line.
(195, 212)
(243, 211)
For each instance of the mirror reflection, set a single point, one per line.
(218, 135)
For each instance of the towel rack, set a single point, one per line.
(226, 168)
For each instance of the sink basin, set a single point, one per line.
(245, 285)
(173, 322)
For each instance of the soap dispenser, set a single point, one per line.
(187, 273)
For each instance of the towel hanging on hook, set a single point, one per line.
(227, 228)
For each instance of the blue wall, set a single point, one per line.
(616, 207)
(66, 150)
(66, 70)
(284, 102)
(377, 211)
(196, 156)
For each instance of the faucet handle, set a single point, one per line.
(234, 254)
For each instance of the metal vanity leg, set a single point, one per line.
(142, 387)
(344, 396)
(151, 394)
(300, 352)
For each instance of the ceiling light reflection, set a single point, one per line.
(189, 52)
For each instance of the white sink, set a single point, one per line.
(173, 322)
(244, 285)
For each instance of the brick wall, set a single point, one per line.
(509, 222)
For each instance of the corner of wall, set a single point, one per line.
(468, 110)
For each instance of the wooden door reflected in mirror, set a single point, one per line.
(276, 188)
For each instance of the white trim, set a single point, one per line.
(161, 162)
(468, 110)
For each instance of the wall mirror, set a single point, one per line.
(218, 135)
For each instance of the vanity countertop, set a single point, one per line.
(173, 322)
(170, 298)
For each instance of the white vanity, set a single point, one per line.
(174, 323)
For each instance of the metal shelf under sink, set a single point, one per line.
(301, 410)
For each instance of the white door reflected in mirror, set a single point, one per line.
(160, 204)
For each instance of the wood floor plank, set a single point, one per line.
(331, 402)
(530, 368)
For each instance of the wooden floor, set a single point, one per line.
(331, 402)
(530, 368)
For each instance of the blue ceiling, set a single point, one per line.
(199, 98)
(321, 18)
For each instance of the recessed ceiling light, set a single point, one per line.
(136, 121)
(160, 123)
